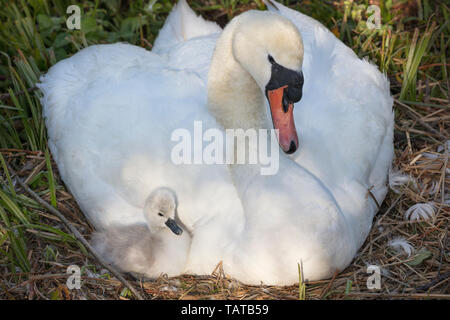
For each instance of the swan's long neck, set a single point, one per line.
(234, 97)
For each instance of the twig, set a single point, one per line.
(187, 291)
(322, 294)
(414, 114)
(44, 277)
(369, 193)
(426, 67)
(76, 233)
(9, 150)
(427, 286)
(5, 96)
(444, 246)
(389, 209)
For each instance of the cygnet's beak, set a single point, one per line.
(173, 226)
(283, 90)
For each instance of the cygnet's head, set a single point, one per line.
(160, 209)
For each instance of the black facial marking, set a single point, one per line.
(292, 148)
(285, 101)
(282, 76)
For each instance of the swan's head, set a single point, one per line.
(160, 210)
(270, 48)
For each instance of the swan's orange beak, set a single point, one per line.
(283, 119)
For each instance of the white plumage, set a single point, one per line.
(421, 211)
(398, 180)
(110, 111)
(401, 245)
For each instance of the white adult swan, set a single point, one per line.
(111, 109)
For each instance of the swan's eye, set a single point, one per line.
(160, 214)
(271, 59)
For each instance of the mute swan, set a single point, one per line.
(111, 110)
(147, 249)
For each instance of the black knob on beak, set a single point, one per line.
(295, 87)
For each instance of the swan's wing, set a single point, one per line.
(181, 25)
(193, 55)
(316, 37)
(308, 24)
(71, 77)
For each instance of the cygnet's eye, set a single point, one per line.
(160, 214)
